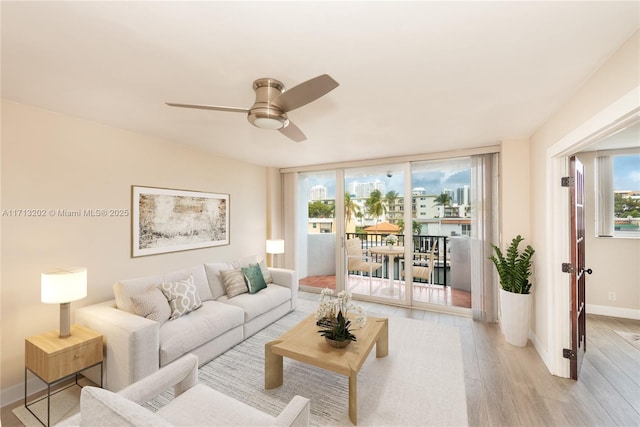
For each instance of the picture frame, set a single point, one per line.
(169, 220)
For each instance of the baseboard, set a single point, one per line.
(11, 395)
(544, 355)
(606, 310)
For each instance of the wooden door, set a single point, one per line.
(577, 270)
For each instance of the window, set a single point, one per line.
(618, 194)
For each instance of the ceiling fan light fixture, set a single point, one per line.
(269, 111)
(268, 118)
(269, 122)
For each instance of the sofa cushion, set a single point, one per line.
(221, 410)
(182, 296)
(124, 289)
(101, 407)
(152, 304)
(254, 305)
(215, 278)
(180, 336)
(233, 282)
(199, 279)
(244, 262)
(253, 278)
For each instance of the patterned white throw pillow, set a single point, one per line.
(152, 304)
(182, 295)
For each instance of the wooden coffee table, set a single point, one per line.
(304, 344)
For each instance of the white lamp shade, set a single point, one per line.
(275, 246)
(63, 285)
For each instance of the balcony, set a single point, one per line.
(449, 283)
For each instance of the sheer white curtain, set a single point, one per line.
(290, 209)
(484, 231)
(604, 189)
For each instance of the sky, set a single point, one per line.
(626, 172)
(435, 176)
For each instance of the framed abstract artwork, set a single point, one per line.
(166, 220)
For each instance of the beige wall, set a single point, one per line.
(514, 190)
(52, 161)
(613, 80)
(614, 261)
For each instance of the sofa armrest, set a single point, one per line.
(181, 374)
(295, 414)
(132, 343)
(288, 279)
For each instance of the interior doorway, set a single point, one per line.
(617, 116)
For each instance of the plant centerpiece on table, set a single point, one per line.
(331, 316)
(391, 240)
(514, 271)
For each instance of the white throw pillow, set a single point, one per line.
(265, 272)
(182, 295)
(152, 304)
(124, 289)
(199, 279)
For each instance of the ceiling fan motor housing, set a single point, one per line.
(264, 113)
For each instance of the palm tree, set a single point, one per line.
(443, 199)
(415, 227)
(390, 200)
(375, 206)
(351, 208)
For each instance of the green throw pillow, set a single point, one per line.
(253, 277)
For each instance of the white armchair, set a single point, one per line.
(193, 404)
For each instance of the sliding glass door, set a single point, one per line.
(411, 233)
(441, 192)
(374, 206)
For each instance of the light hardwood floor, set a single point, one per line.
(511, 386)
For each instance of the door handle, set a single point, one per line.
(588, 271)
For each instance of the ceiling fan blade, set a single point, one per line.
(209, 107)
(305, 92)
(293, 132)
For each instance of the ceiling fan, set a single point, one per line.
(273, 102)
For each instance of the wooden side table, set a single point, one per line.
(53, 359)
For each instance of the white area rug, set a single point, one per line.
(420, 382)
(632, 338)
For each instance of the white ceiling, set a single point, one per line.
(415, 77)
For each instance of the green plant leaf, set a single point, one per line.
(514, 270)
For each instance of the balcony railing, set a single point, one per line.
(422, 246)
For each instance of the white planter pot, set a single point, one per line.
(516, 315)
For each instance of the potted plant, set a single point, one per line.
(514, 271)
(391, 240)
(337, 334)
(331, 315)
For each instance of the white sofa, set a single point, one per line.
(136, 346)
(193, 404)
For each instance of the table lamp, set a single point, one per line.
(61, 287)
(275, 247)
